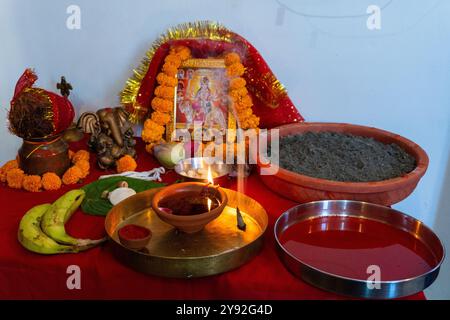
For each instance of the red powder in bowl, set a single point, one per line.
(133, 231)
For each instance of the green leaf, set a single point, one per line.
(93, 202)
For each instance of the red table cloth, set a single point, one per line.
(26, 275)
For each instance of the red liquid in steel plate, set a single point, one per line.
(347, 246)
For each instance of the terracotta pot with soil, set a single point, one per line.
(305, 188)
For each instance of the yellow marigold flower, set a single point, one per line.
(84, 167)
(231, 58)
(170, 69)
(51, 181)
(126, 163)
(174, 59)
(14, 177)
(165, 92)
(11, 164)
(162, 105)
(32, 183)
(165, 80)
(237, 83)
(80, 155)
(160, 118)
(235, 70)
(72, 175)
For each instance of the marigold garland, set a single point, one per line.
(242, 102)
(16, 178)
(162, 103)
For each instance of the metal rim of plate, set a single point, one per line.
(357, 287)
(183, 267)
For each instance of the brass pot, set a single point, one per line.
(39, 156)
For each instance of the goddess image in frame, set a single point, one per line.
(202, 97)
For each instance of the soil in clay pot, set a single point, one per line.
(343, 157)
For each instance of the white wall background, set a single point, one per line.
(396, 78)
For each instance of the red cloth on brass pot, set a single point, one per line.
(62, 112)
(26, 275)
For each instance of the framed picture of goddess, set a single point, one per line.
(201, 96)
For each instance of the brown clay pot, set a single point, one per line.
(303, 188)
(192, 223)
(44, 155)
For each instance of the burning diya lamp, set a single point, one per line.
(189, 206)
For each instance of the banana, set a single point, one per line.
(32, 238)
(59, 213)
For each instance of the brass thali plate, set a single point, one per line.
(218, 248)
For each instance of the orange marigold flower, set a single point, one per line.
(71, 153)
(165, 80)
(235, 70)
(237, 83)
(165, 92)
(84, 167)
(80, 155)
(152, 131)
(170, 69)
(238, 93)
(11, 164)
(149, 147)
(182, 51)
(244, 114)
(160, 118)
(152, 136)
(14, 177)
(250, 122)
(51, 181)
(126, 163)
(72, 175)
(244, 102)
(231, 58)
(174, 59)
(162, 105)
(32, 183)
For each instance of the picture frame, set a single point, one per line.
(201, 97)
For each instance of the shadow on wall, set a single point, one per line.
(441, 288)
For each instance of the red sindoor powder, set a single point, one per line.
(133, 231)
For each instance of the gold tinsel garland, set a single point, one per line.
(191, 30)
(200, 30)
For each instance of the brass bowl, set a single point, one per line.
(190, 223)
